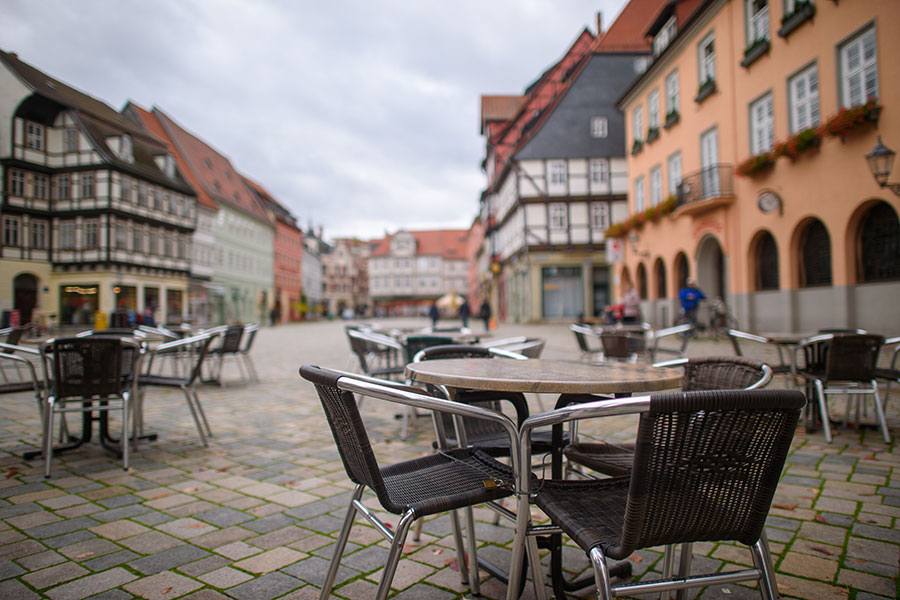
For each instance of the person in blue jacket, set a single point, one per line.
(690, 297)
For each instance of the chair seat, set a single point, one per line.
(444, 481)
(162, 380)
(607, 458)
(11, 387)
(497, 445)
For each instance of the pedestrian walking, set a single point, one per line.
(631, 304)
(484, 313)
(690, 297)
(464, 312)
(434, 313)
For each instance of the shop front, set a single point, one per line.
(78, 303)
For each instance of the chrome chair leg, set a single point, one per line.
(879, 413)
(190, 403)
(762, 559)
(823, 409)
(201, 411)
(48, 435)
(684, 567)
(601, 574)
(341, 544)
(668, 567)
(460, 547)
(474, 583)
(390, 566)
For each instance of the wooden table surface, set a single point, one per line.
(544, 376)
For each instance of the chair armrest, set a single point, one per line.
(180, 343)
(501, 353)
(674, 362)
(38, 385)
(505, 341)
(10, 348)
(661, 333)
(752, 337)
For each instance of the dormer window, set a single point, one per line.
(70, 140)
(665, 36)
(599, 127)
(126, 150)
(34, 136)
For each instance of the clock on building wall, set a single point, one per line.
(769, 202)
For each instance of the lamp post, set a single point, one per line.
(881, 161)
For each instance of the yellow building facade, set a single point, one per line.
(748, 137)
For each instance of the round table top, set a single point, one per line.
(789, 337)
(544, 376)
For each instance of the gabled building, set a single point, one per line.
(345, 270)
(557, 177)
(313, 297)
(755, 119)
(96, 216)
(411, 269)
(288, 256)
(242, 284)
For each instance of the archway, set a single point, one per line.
(711, 267)
(25, 287)
(878, 245)
(682, 270)
(660, 270)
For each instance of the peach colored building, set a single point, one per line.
(753, 122)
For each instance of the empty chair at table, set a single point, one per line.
(706, 467)
(842, 363)
(230, 346)
(17, 365)
(890, 374)
(737, 337)
(243, 352)
(588, 341)
(436, 483)
(86, 374)
(619, 346)
(378, 355)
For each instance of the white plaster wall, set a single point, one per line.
(12, 92)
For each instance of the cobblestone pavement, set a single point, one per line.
(255, 515)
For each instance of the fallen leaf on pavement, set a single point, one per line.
(819, 518)
(191, 490)
(822, 550)
(158, 496)
(196, 525)
(167, 590)
(636, 557)
(84, 555)
(785, 506)
(12, 472)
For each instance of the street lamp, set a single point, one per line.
(881, 161)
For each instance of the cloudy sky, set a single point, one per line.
(361, 117)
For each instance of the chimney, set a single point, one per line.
(599, 23)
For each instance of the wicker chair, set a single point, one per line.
(587, 341)
(620, 346)
(711, 373)
(90, 372)
(706, 468)
(230, 346)
(842, 363)
(444, 481)
(378, 355)
(243, 353)
(196, 348)
(890, 374)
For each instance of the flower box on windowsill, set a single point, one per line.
(759, 164)
(671, 118)
(706, 90)
(752, 53)
(803, 12)
(637, 147)
(652, 134)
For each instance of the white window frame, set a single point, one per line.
(91, 234)
(88, 189)
(600, 216)
(757, 20)
(803, 92)
(70, 139)
(559, 216)
(672, 92)
(142, 194)
(599, 171)
(665, 36)
(557, 170)
(637, 123)
(674, 172)
(121, 236)
(67, 235)
(656, 185)
(126, 149)
(38, 234)
(866, 69)
(762, 124)
(63, 187)
(16, 182)
(653, 109)
(12, 231)
(707, 60)
(34, 135)
(125, 190)
(639, 194)
(137, 240)
(599, 126)
(41, 186)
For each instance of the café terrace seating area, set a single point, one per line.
(304, 460)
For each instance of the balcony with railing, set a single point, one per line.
(706, 189)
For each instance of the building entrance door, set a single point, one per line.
(711, 268)
(25, 288)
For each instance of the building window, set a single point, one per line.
(766, 263)
(558, 172)
(707, 53)
(757, 21)
(599, 216)
(91, 234)
(641, 63)
(16, 182)
(639, 200)
(599, 127)
(859, 69)
(63, 187)
(70, 141)
(41, 186)
(67, 235)
(11, 231)
(157, 199)
(600, 171)
(181, 247)
(142, 194)
(34, 136)
(152, 242)
(655, 186)
(137, 239)
(126, 151)
(879, 244)
(660, 273)
(637, 124)
(804, 94)
(653, 110)
(674, 172)
(672, 93)
(641, 277)
(121, 236)
(167, 245)
(38, 234)
(559, 218)
(762, 125)
(125, 190)
(815, 256)
(87, 185)
(665, 36)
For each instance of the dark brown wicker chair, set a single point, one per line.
(588, 341)
(842, 363)
(890, 374)
(378, 355)
(230, 346)
(706, 467)
(443, 481)
(96, 373)
(620, 345)
(710, 373)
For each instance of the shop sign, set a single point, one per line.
(615, 250)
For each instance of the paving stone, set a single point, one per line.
(162, 586)
(222, 537)
(110, 560)
(266, 587)
(186, 528)
(152, 518)
(270, 523)
(54, 575)
(151, 542)
(69, 538)
(33, 519)
(10, 569)
(169, 559)
(20, 549)
(280, 537)
(883, 586)
(125, 512)
(224, 517)
(237, 550)
(422, 591)
(117, 530)
(112, 595)
(91, 585)
(119, 501)
(205, 565)
(314, 569)
(61, 527)
(206, 594)
(225, 577)
(14, 590)
(270, 560)
(89, 549)
(811, 567)
(877, 533)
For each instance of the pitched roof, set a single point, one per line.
(628, 32)
(99, 121)
(499, 108)
(447, 243)
(211, 170)
(268, 201)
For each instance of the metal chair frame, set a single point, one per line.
(584, 335)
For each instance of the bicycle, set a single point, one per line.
(720, 319)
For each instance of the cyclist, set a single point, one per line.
(690, 297)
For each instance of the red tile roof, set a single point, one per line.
(210, 169)
(499, 108)
(626, 34)
(447, 243)
(278, 211)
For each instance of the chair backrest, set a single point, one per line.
(845, 356)
(530, 348)
(706, 466)
(231, 342)
(16, 379)
(249, 336)
(347, 428)
(616, 344)
(724, 373)
(89, 366)
(582, 334)
(414, 343)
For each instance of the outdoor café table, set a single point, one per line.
(570, 380)
(787, 342)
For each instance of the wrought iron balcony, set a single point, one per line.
(706, 188)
